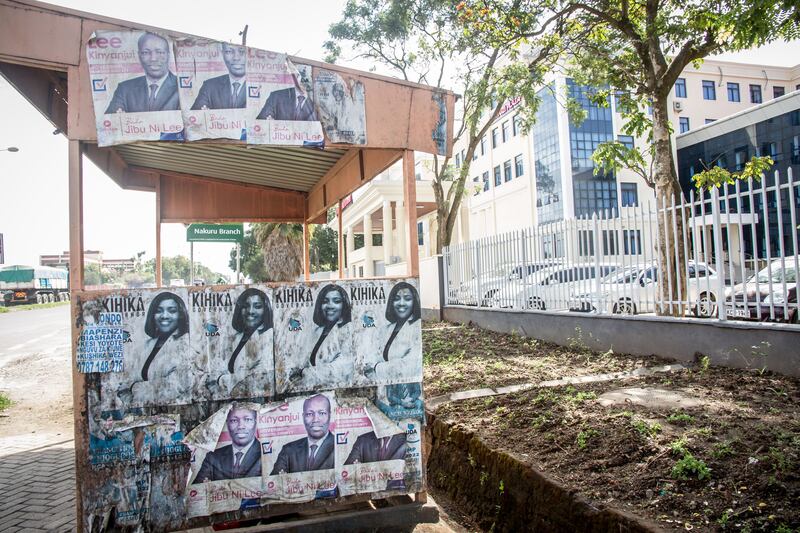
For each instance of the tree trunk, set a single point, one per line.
(671, 255)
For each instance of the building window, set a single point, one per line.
(609, 242)
(632, 241)
(458, 160)
(680, 88)
(585, 242)
(796, 150)
(515, 125)
(755, 94)
(683, 123)
(770, 149)
(507, 170)
(475, 182)
(740, 158)
(710, 120)
(504, 127)
(486, 181)
(498, 179)
(709, 91)
(630, 195)
(377, 239)
(733, 92)
(420, 234)
(494, 138)
(474, 155)
(626, 140)
(519, 170)
(777, 92)
(483, 145)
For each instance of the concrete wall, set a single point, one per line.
(734, 344)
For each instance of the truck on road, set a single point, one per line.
(21, 284)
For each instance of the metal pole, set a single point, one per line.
(191, 262)
(717, 230)
(238, 260)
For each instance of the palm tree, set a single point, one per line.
(283, 249)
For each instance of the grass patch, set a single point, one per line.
(690, 467)
(680, 419)
(5, 402)
(30, 307)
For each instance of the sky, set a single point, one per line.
(33, 181)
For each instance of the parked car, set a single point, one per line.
(507, 278)
(633, 290)
(768, 295)
(549, 288)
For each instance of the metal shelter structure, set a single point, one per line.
(206, 181)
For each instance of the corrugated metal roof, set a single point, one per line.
(287, 167)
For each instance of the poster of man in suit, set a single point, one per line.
(280, 101)
(212, 84)
(342, 108)
(299, 460)
(134, 87)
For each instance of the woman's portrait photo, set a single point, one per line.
(399, 357)
(166, 322)
(330, 359)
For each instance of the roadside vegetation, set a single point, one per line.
(30, 307)
(5, 401)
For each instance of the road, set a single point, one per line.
(35, 371)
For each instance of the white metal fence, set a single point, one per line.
(739, 247)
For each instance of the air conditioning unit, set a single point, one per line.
(678, 106)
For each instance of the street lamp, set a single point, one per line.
(10, 149)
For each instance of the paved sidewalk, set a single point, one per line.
(37, 483)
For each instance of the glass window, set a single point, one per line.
(515, 126)
(420, 234)
(632, 241)
(507, 170)
(504, 126)
(796, 150)
(680, 88)
(778, 92)
(770, 149)
(486, 181)
(483, 145)
(519, 170)
(474, 155)
(630, 194)
(476, 182)
(458, 160)
(733, 92)
(709, 91)
(683, 124)
(494, 138)
(740, 157)
(626, 140)
(498, 179)
(755, 94)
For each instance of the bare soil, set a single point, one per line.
(730, 463)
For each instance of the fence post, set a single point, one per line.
(717, 230)
(523, 278)
(596, 232)
(444, 290)
(479, 296)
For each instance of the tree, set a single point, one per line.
(460, 47)
(251, 258)
(179, 267)
(282, 247)
(324, 249)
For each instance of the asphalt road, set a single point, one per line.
(41, 331)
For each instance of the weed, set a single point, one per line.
(679, 446)
(645, 429)
(725, 518)
(690, 467)
(780, 463)
(539, 421)
(488, 401)
(471, 460)
(703, 364)
(721, 450)
(584, 436)
(577, 344)
(5, 402)
(702, 432)
(681, 419)
(484, 477)
(501, 487)
(546, 395)
(783, 528)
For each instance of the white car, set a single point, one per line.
(550, 288)
(504, 279)
(633, 289)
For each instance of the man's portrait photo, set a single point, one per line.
(292, 103)
(229, 90)
(368, 448)
(315, 450)
(239, 459)
(157, 90)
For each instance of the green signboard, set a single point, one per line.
(215, 233)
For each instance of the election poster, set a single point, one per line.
(226, 461)
(314, 347)
(134, 87)
(212, 84)
(370, 449)
(232, 329)
(298, 442)
(388, 331)
(100, 345)
(280, 101)
(341, 105)
(158, 367)
(400, 401)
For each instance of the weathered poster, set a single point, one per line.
(298, 460)
(212, 84)
(233, 330)
(100, 345)
(388, 334)
(370, 449)
(280, 101)
(439, 134)
(159, 368)
(400, 401)
(341, 105)
(226, 461)
(314, 347)
(134, 87)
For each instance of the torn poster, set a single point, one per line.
(313, 337)
(401, 400)
(226, 461)
(212, 86)
(388, 334)
(159, 368)
(134, 87)
(439, 134)
(100, 345)
(232, 328)
(280, 101)
(341, 106)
